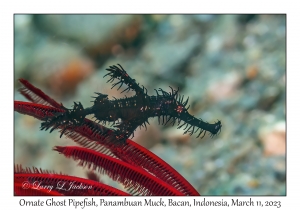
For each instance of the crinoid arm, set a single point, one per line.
(68, 119)
(117, 72)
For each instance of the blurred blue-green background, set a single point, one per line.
(232, 67)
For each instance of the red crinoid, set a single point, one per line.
(138, 169)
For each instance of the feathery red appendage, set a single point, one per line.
(35, 95)
(134, 178)
(91, 135)
(64, 184)
(38, 111)
(135, 153)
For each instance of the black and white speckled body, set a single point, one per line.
(129, 113)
